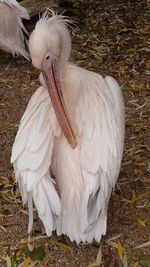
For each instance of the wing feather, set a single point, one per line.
(11, 30)
(31, 157)
(101, 129)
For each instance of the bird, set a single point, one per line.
(12, 30)
(68, 149)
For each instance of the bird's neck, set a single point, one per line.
(65, 51)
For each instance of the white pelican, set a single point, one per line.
(81, 146)
(11, 27)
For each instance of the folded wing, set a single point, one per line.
(31, 157)
(101, 128)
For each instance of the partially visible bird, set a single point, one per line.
(12, 30)
(81, 143)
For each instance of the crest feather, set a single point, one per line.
(50, 17)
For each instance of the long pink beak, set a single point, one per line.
(51, 76)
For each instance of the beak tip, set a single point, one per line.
(73, 144)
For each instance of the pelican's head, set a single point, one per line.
(50, 47)
(50, 37)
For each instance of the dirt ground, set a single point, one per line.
(111, 37)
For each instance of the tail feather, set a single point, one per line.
(48, 207)
(100, 228)
(30, 210)
(51, 195)
(46, 200)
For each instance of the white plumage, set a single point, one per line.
(76, 202)
(11, 27)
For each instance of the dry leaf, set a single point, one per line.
(120, 249)
(135, 264)
(26, 262)
(99, 256)
(146, 244)
(8, 260)
(142, 222)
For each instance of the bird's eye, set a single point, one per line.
(47, 57)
